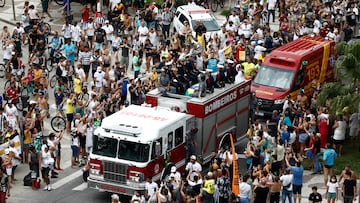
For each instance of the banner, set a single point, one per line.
(235, 181)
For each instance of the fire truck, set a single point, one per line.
(142, 141)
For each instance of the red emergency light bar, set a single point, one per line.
(199, 11)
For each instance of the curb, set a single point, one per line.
(8, 22)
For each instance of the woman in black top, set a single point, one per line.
(261, 192)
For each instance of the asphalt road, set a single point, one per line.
(69, 186)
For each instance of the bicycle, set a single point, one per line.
(44, 25)
(215, 3)
(58, 122)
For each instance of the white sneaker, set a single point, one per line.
(46, 187)
(49, 188)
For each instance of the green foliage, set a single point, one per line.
(341, 94)
(340, 48)
(226, 12)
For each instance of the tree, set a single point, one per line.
(342, 96)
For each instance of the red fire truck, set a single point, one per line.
(142, 141)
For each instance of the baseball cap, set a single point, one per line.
(193, 157)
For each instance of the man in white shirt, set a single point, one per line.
(245, 29)
(151, 186)
(12, 114)
(143, 32)
(193, 165)
(234, 18)
(271, 9)
(286, 180)
(98, 78)
(109, 30)
(80, 71)
(67, 28)
(259, 49)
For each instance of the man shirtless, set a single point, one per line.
(347, 168)
(43, 104)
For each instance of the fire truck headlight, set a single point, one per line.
(279, 101)
(136, 176)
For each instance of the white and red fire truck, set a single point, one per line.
(138, 141)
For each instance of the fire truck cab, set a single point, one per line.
(142, 141)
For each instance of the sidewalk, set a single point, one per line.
(55, 11)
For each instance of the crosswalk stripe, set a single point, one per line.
(81, 187)
(67, 179)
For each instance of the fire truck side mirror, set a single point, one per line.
(157, 149)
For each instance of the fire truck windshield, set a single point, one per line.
(274, 77)
(133, 151)
(105, 146)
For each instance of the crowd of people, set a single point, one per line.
(101, 51)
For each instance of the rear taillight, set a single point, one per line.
(96, 167)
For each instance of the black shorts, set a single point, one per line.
(82, 140)
(64, 79)
(90, 38)
(45, 171)
(338, 141)
(297, 189)
(86, 68)
(328, 167)
(70, 117)
(115, 49)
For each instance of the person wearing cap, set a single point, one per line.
(207, 193)
(109, 30)
(175, 173)
(193, 165)
(259, 49)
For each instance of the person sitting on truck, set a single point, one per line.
(164, 83)
(220, 77)
(200, 91)
(210, 82)
(302, 100)
(249, 68)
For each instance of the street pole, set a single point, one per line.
(13, 7)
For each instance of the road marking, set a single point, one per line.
(67, 179)
(81, 187)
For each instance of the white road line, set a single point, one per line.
(67, 179)
(81, 187)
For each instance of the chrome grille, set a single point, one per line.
(115, 172)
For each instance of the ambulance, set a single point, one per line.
(291, 67)
(142, 141)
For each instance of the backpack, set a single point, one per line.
(58, 71)
(224, 187)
